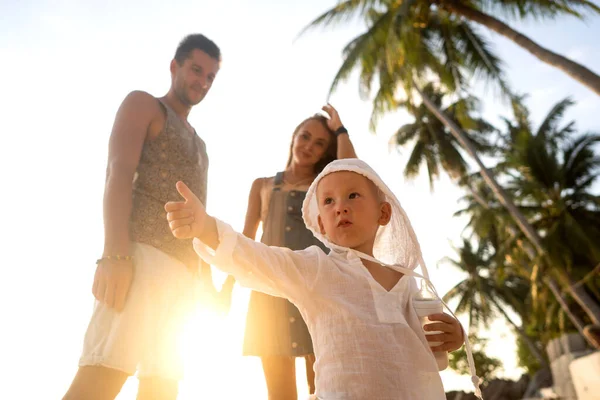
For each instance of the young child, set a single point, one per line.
(356, 300)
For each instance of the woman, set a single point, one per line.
(275, 331)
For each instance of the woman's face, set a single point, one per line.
(310, 143)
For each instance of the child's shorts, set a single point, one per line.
(145, 336)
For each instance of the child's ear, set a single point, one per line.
(385, 213)
(321, 227)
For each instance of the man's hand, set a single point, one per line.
(186, 218)
(452, 334)
(112, 281)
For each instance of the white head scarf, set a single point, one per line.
(396, 245)
(396, 242)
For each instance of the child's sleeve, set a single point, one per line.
(277, 271)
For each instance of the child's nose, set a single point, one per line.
(342, 210)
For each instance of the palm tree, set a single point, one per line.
(420, 13)
(551, 173)
(404, 54)
(473, 11)
(481, 295)
(434, 145)
(490, 223)
(399, 51)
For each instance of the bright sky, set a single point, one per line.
(66, 66)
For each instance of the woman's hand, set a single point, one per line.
(334, 122)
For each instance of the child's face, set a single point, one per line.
(350, 210)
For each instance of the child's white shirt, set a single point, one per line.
(368, 342)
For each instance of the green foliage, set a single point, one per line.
(486, 367)
(414, 46)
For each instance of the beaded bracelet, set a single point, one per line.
(114, 258)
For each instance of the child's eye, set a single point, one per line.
(328, 200)
(353, 195)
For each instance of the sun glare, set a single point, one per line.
(211, 347)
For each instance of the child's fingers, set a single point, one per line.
(439, 337)
(183, 232)
(447, 346)
(175, 206)
(440, 326)
(181, 222)
(186, 192)
(179, 214)
(442, 317)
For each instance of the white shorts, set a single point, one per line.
(145, 336)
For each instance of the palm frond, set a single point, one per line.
(414, 162)
(480, 58)
(343, 12)
(549, 126)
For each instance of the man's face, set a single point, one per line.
(192, 80)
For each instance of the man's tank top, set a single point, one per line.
(177, 154)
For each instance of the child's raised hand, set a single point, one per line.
(186, 218)
(452, 333)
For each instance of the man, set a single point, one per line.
(145, 280)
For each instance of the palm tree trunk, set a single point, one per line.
(478, 198)
(587, 303)
(575, 289)
(487, 175)
(591, 307)
(552, 285)
(556, 291)
(580, 295)
(532, 347)
(577, 71)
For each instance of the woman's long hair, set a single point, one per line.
(330, 153)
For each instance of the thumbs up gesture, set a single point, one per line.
(186, 218)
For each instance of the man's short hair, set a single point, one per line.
(196, 41)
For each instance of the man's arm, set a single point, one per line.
(130, 129)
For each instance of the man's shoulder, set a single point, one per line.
(144, 109)
(140, 100)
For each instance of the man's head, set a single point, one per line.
(194, 68)
(351, 210)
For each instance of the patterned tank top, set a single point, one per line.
(176, 154)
